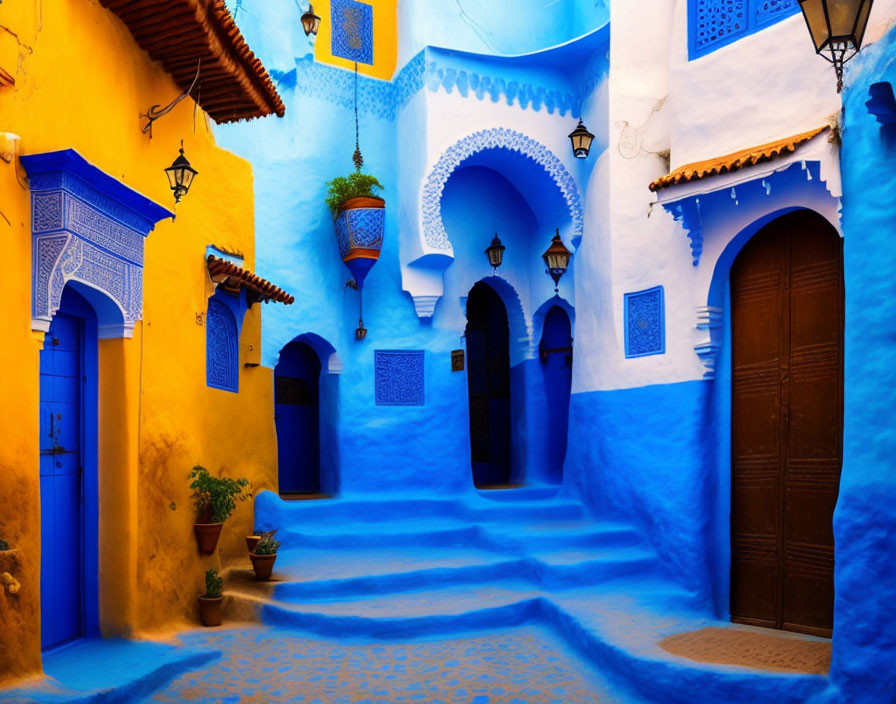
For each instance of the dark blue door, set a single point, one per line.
(61, 486)
(555, 351)
(488, 386)
(297, 418)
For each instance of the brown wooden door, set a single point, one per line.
(787, 423)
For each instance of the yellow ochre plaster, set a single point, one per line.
(81, 82)
(385, 39)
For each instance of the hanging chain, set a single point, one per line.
(356, 157)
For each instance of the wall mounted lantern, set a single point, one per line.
(310, 21)
(180, 175)
(837, 28)
(495, 252)
(556, 259)
(581, 140)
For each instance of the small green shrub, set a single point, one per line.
(267, 545)
(3, 544)
(214, 497)
(213, 584)
(355, 185)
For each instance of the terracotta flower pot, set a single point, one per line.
(210, 610)
(252, 541)
(263, 565)
(359, 232)
(207, 536)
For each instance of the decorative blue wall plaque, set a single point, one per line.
(352, 36)
(645, 324)
(399, 378)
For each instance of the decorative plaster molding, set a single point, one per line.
(434, 232)
(399, 378)
(86, 227)
(425, 306)
(709, 318)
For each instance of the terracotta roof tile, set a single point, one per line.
(234, 277)
(234, 85)
(735, 161)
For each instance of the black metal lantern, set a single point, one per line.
(180, 175)
(556, 259)
(581, 140)
(837, 28)
(310, 21)
(495, 252)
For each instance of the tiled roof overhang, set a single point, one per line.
(735, 161)
(234, 278)
(234, 85)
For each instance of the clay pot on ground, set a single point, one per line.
(252, 541)
(210, 610)
(263, 565)
(207, 535)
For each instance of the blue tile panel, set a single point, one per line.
(645, 325)
(221, 348)
(399, 378)
(715, 23)
(352, 36)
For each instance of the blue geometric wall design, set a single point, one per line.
(715, 23)
(221, 347)
(352, 36)
(399, 378)
(645, 325)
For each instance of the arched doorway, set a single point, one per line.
(68, 386)
(297, 419)
(555, 352)
(787, 305)
(488, 386)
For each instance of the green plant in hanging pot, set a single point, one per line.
(215, 500)
(264, 555)
(210, 602)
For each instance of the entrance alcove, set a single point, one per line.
(306, 393)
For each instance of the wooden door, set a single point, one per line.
(787, 423)
(297, 419)
(61, 487)
(488, 385)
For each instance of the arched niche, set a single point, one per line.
(533, 169)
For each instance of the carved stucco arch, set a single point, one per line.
(434, 234)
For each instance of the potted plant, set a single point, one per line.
(264, 555)
(215, 500)
(210, 602)
(4, 546)
(359, 215)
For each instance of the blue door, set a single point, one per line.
(297, 418)
(555, 352)
(61, 482)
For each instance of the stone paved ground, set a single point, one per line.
(520, 666)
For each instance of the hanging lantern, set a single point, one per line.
(310, 21)
(837, 28)
(581, 140)
(495, 252)
(180, 175)
(556, 259)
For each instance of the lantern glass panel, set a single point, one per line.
(813, 11)
(171, 173)
(862, 23)
(842, 14)
(186, 177)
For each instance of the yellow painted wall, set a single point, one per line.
(385, 39)
(81, 83)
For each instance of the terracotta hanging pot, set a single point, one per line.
(207, 535)
(263, 565)
(210, 610)
(252, 541)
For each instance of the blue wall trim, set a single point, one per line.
(645, 322)
(715, 23)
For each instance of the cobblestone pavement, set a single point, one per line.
(520, 666)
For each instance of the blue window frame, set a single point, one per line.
(645, 324)
(715, 23)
